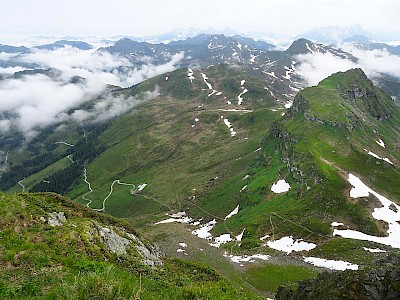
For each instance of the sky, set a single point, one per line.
(142, 18)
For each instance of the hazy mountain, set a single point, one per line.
(332, 34)
(62, 43)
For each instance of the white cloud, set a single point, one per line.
(315, 67)
(33, 102)
(10, 70)
(110, 107)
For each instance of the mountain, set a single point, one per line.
(13, 49)
(364, 43)
(203, 49)
(62, 43)
(229, 161)
(304, 46)
(216, 152)
(358, 39)
(332, 34)
(53, 248)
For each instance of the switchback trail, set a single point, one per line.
(111, 190)
(23, 187)
(90, 188)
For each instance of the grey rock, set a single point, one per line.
(151, 255)
(372, 292)
(56, 219)
(113, 242)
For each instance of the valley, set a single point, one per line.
(229, 161)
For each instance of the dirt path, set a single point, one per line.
(90, 188)
(23, 187)
(111, 190)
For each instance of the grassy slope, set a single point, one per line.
(43, 262)
(157, 145)
(319, 194)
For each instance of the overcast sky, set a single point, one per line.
(140, 18)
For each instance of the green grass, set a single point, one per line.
(44, 262)
(269, 277)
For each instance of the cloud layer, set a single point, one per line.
(315, 67)
(32, 102)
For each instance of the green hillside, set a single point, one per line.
(212, 145)
(52, 248)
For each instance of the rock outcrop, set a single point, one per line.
(56, 219)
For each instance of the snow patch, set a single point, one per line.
(240, 98)
(381, 143)
(339, 265)
(288, 104)
(389, 213)
(240, 236)
(281, 186)
(190, 74)
(246, 258)
(222, 239)
(288, 244)
(336, 224)
(179, 217)
(204, 231)
(232, 213)
(375, 250)
(271, 74)
(141, 187)
(206, 82)
(378, 157)
(183, 245)
(229, 125)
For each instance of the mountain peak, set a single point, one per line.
(344, 97)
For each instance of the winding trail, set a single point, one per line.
(111, 190)
(90, 188)
(70, 145)
(23, 187)
(118, 181)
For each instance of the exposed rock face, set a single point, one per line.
(56, 219)
(152, 256)
(119, 245)
(113, 242)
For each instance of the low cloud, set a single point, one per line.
(315, 67)
(33, 102)
(109, 107)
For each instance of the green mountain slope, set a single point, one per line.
(314, 147)
(52, 248)
(211, 148)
